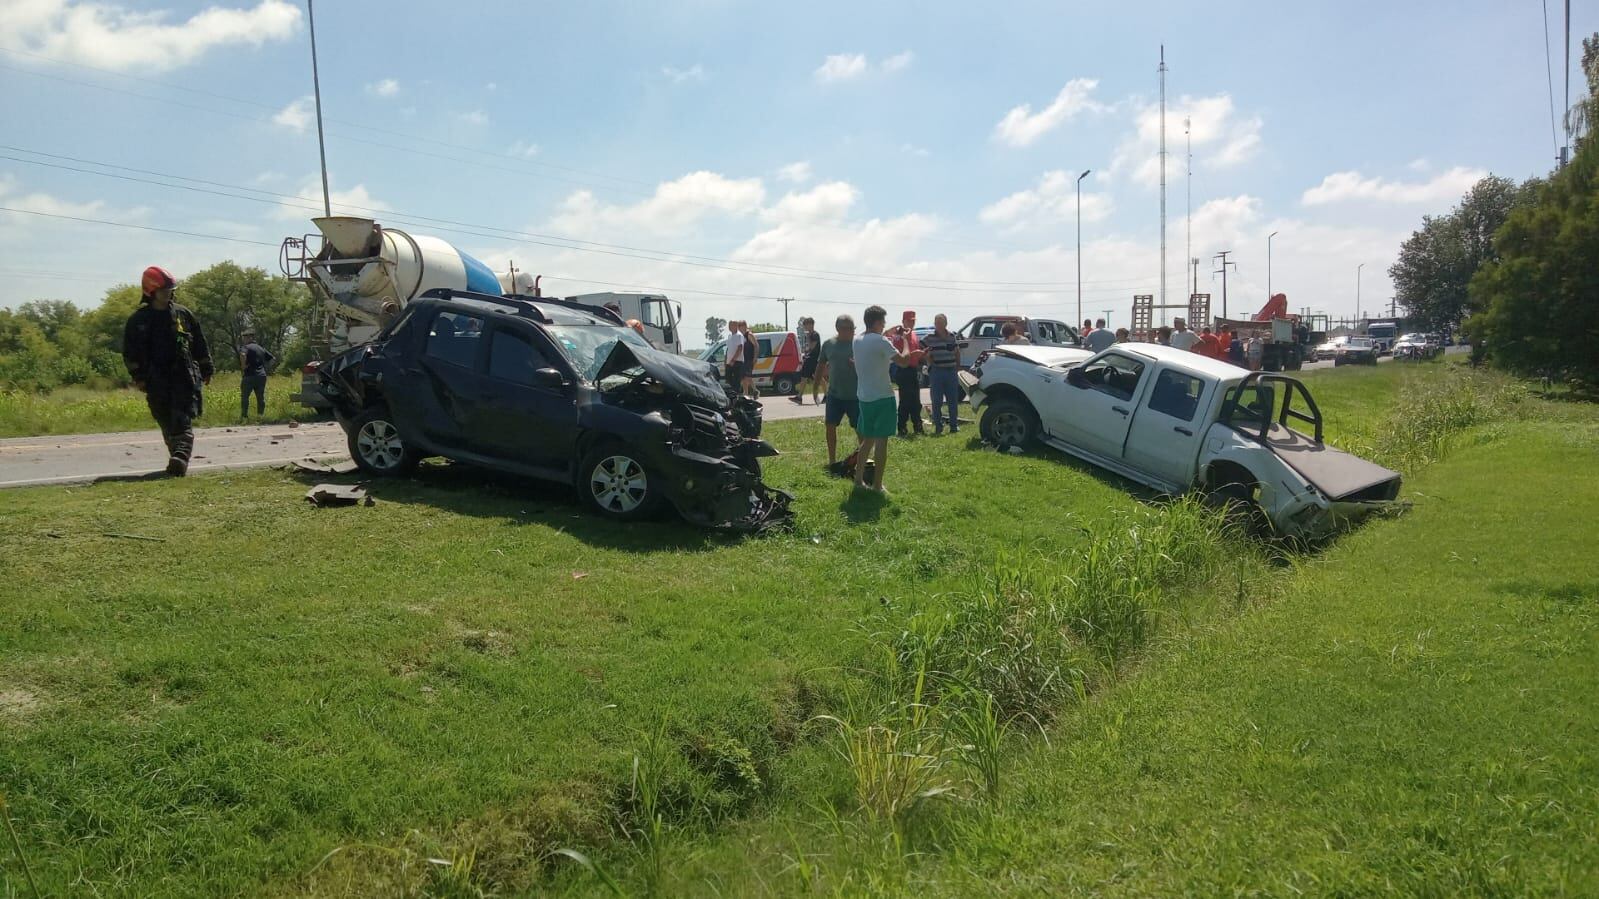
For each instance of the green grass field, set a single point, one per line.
(83, 410)
(432, 695)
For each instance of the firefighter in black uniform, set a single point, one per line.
(166, 354)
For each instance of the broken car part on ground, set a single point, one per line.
(557, 390)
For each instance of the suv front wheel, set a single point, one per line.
(376, 447)
(614, 481)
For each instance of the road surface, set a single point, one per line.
(83, 458)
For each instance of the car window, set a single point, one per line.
(987, 329)
(718, 353)
(764, 350)
(1046, 331)
(1114, 374)
(1176, 394)
(454, 337)
(514, 358)
(588, 346)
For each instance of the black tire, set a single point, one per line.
(614, 481)
(1237, 501)
(1009, 422)
(783, 385)
(377, 447)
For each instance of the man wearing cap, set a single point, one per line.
(167, 357)
(254, 361)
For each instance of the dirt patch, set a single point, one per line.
(17, 704)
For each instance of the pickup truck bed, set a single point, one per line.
(1340, 476)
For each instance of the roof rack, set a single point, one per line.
(518, 304)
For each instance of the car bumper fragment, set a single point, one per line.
(721, 494)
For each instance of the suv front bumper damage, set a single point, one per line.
(720, 493)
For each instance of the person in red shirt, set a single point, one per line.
(908, 378)
(1207, 344)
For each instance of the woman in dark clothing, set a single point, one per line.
(810, 356)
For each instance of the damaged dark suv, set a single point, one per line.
(557, 390)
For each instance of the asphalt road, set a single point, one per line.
(131, 455)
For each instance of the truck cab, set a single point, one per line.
(662, 318)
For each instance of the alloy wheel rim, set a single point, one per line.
(1009, 428)
(380, 444)
(619, 484)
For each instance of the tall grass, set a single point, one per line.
(1433, 409)
(82, 410)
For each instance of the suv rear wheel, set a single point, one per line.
(376, 446)
(1008, 422)
(614, 481)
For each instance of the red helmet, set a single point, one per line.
(155, 278)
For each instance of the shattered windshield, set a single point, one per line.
(588, 345)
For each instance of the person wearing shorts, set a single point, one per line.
(875, 389)
(836, 363)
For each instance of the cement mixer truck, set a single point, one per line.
(364, 274)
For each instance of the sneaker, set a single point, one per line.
(797, 400)
(954, 430)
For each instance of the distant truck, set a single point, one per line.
(1383, 334)
(364, 274)
(1287, 341)
(987, 331)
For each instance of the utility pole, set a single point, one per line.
(1223, 272)
(1107, 319)
(1188, 241)
(1080, 243)
(785, 301)
(1193, 263)
(316, 89)
(1357, 288)
(1162, 71)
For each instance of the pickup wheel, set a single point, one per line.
(376, 445)
(1239, 507)
(615, 482)
(1009, 422)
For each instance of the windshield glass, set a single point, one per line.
(588, 345)
(1359, 343)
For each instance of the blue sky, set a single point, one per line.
(918, 155)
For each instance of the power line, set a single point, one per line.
(533, 237)
(656, 287)
(1548, 66)
(645, 189)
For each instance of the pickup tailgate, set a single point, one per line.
(1340, 476)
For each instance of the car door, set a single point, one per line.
(442, 412)
(523, 417)
(1165, 434)
(1094, 407)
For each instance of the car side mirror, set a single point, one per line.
(1074, 377)
(548, 378)
(666, 333)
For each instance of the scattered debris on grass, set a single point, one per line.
(325, 495)
(135, 537)
(320, 466)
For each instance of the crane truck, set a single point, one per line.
(1287, 341)
(363, 274)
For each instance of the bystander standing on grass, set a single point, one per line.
(943, 348)
(254, 362)
(875, 390)
(167, 358)
(837, 367)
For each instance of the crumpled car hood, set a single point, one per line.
(692, 379)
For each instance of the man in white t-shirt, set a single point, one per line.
(1181, 337)
(875, 391)
(733, 365)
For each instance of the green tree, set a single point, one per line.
(229, 299)
(713, 329)
(1435, 265)
(762, 327)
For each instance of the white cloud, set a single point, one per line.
(674, 205)
(841, 67)
(114, 37)
(298, 115)
(898, 61)
(1419, 165)
(829, 202)
(695, 72)
(1341, 187)
(1021, 126)
(475, 117)
(388, 87)
(491, 86)
(848, 66)
(1219, 135)
(51, 205)
(1052, 201)
(795, 172)
(355, 200)
(524, 149)
(914, 150)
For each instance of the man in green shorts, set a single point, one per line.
(875, 390)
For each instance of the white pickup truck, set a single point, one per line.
(1176, 421)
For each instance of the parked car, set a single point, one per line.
(557, 390)
(1417, 346)
(1357, 351)
(777, 360)
(985, 332)
(1329, 349)
(1178, 421)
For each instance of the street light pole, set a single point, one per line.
(1357, 288)
(316, 89)
(1080, 243)
(1268, 265)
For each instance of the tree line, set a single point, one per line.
(1516, 266)
(46, 344)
